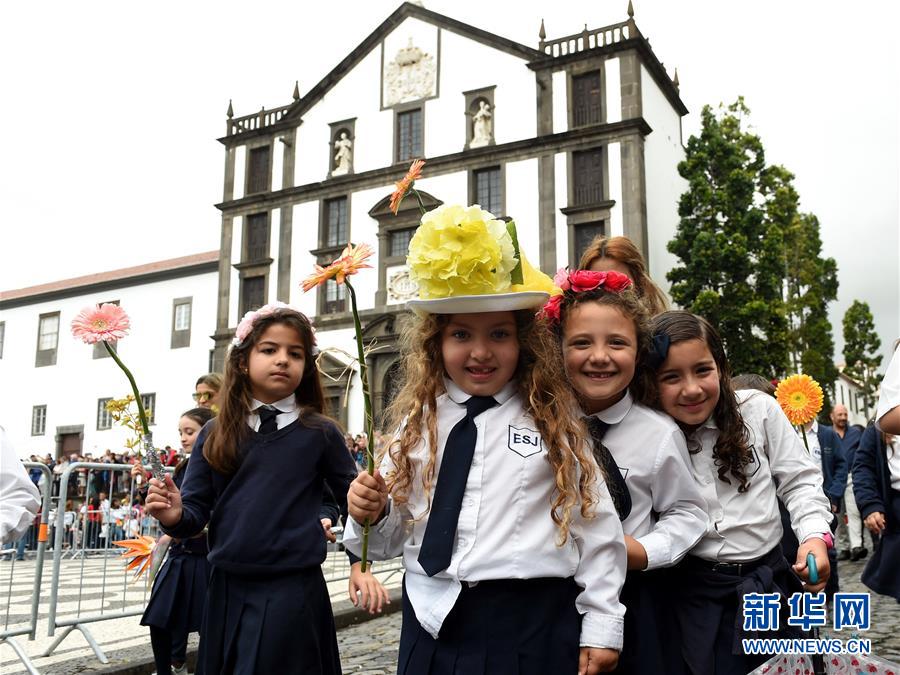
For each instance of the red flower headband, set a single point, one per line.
(582, 281)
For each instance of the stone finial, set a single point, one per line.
(675, 79)
(230, 111)
(542, 34)
(630, 10)
(296, 90)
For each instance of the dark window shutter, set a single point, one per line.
(588, 179)
(257, 236)
(253, 293)
(258, 180)
(586, 95)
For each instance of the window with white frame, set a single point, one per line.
(38, 420)
(181, 322)
(149, 403)
(48, 339)
(104, 418)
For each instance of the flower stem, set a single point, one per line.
(419, 199)
(803, 436)
(137, 396)
(367, 402)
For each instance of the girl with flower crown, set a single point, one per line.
(513, 552)
(744, 453)
(257, 477)
(602, 330)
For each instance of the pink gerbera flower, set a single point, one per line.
(101, 323)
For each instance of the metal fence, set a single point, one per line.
(97, 504)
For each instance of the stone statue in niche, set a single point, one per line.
(482, 125)
(343, 156)
(410, 76)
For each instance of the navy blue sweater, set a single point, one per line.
(264, 518)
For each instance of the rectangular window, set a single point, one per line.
(586, 99)
(584, 235)
(149, 401)
(104, 419)
(335, 297)
(2, 336)
(48, 337)
(335, 221)
(38, 420)
(258, 175)
(253, 293)
(399, 242)
(257, 237)
(181, 323)
(409, 135)
(100, 351)
(488, 190)
(587, 167)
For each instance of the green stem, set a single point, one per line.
(367, 402)
(137, 396)
(803, 436)
(419, 199)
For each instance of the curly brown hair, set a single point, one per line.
(623, 250)
(732, 450)
(546, 396)
(221, 448)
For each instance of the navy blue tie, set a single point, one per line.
(440, 532)
(267, 423)
(618, 489)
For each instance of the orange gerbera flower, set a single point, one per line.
(405, 184)
(140, 551)
(352, 260)
(800, 397)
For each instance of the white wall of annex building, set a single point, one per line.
(662, 152)
(70, 389)
(522, 205)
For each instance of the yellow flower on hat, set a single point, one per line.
(461, 251)
(533, 279)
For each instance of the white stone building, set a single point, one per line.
(572, 137)
(54, 386)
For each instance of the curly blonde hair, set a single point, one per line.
(547, 398)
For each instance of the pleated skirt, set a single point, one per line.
(275, 624)
(178, 598)
(505, 627)
(882, 572)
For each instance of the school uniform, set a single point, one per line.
(876, 485)
(268, 608)
(667, 517)
(889, 398)
(740, 552)
(510, 600)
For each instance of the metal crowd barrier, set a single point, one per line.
(38, 535)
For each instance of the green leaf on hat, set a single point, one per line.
(515, 277)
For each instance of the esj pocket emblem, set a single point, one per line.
(525, 442)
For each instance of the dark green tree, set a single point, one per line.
(730, 247)
(861, 345)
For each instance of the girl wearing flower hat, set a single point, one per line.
(513, 551)
(257, 477)
(744, 453)
(602, 329)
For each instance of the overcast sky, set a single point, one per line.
(111, 111)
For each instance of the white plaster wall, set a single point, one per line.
(277, 165)
(614, 157)
(304, 238)
(613, 91)
(70, 389)
(240, 166)
(522, 205)
(562, 233)
(662, 152)
(274, 245)
(237, 236)
(560, 103)
(364, 230)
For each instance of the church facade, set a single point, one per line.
(573, 137)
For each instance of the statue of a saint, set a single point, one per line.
(343, 157)
(482, 126)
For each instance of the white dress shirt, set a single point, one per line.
(745, 526)
(890, 387)
(668, 515)
(505, 530)
(812, 439)
(288, 409)
(19, 498)
(893, 457)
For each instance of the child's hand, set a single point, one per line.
(367, 497)
(164, 501)
(875, 522)
(137, 472)
(372, 595)
(592, 660)
(819, 549)
(329, 535)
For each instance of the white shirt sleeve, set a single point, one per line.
(676, 498)
(601, 573)
(19, 498)
(890, 387)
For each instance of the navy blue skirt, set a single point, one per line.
(178, 597)
(881, 573)
(504, 627)
(280, 623)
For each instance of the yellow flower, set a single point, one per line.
(800, 397)
(534, 279)
(460, 251)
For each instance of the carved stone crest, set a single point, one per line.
(400, 287)
(410, 76)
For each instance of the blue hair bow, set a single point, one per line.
(659, 350)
